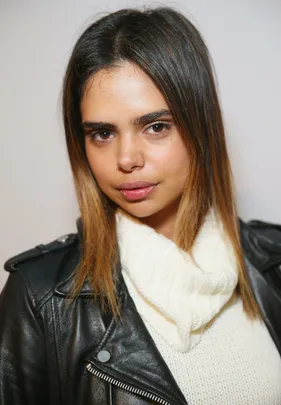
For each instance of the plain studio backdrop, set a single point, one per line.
(38, 202)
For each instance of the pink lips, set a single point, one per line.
(136, 190)
(137, 193)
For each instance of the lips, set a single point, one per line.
(136, 194)
(135, 185)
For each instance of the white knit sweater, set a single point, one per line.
(235, 361)
(177, 293)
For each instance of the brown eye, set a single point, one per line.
(158, 127)
(103, 135)
(100, 136)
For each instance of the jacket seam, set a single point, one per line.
(56, 350)
(37, 303)
(49, 295)
(31, 296)
(29, 290)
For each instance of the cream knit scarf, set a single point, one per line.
(172, 294)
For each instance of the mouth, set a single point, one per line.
(137, 193)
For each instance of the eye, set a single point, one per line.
(158, 127)
(100, 136)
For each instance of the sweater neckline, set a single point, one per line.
(174, 294)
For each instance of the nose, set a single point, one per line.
(130, 154)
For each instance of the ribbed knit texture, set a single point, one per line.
(177, 294)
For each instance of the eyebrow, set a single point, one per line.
(144, 119)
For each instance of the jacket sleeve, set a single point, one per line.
(22, 354)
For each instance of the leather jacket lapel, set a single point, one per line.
(262, 256)
(269, 302)
(133, 357)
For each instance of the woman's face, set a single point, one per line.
(130, 137)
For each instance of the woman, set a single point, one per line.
(162, 296)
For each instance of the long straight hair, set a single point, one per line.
(171, 51)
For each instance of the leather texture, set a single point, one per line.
(57, 351)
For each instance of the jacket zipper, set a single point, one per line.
(125, 386)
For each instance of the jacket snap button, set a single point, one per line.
(103, 356)
(63, 239)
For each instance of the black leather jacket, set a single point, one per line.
(57, 352)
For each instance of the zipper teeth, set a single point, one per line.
(125, 386)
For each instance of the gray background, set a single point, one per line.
(37, 196)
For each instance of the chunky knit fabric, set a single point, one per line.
(177, 293)
(233, 362)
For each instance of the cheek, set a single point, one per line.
(99, 164)
(174, 161)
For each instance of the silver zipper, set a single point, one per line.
(125, 386)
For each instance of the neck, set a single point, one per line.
(163, 222)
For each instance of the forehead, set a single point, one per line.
(118, 91)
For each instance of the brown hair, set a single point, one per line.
(168, 48)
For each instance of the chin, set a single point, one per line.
(140, 210)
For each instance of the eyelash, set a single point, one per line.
(93, 135)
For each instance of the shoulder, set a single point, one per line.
(44, 266)
(261, 244)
